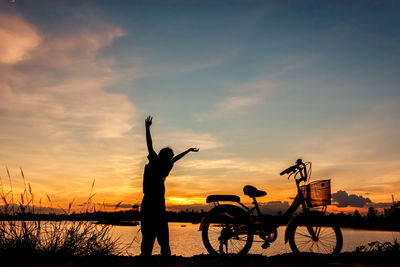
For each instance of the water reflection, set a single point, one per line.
(185, 240)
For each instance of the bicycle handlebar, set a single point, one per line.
(293, 168)
(290, 169)
(299, 167)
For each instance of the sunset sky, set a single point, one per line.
(254, 84)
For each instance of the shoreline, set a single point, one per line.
(137, 223)
(345, 259)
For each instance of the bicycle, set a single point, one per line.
(229, 228)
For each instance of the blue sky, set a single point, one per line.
(254, 84)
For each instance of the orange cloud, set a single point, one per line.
(18, 38)
(62, 82)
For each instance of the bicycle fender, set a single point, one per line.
(217, 209)
(288, 227)
(302, 218)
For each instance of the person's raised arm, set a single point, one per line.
(181, 155)
(149, 142)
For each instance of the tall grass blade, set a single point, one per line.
(11, 187)
(1, 185)
(23, 177)
(119, 203)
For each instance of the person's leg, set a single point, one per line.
(148, 231)
(163, 238)
(148, 236)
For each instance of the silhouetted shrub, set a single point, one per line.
(57, 238)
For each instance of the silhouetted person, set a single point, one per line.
(153, 216)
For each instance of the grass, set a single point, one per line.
(378, 248)
(50, 238)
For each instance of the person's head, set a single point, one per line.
(166, 154)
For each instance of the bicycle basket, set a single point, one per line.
(317, 193)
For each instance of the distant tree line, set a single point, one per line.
(390, 220)
(102, 216)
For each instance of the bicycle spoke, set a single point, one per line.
(225, 234)
(234, 246)
(325, 242)
(308, 236)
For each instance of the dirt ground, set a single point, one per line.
(349, 259)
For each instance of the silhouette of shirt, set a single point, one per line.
(155, 173)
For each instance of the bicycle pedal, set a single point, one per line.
(265, 245)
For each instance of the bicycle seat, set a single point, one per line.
(216, 198)
(251, 191)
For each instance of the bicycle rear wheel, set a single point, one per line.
(227, 230)
(315, 241)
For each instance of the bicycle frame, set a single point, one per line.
(307, 231)
(287, 217)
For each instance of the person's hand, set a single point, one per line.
(149, 121)
(194, 149)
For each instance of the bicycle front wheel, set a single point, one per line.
(316, 241)
(227, 230)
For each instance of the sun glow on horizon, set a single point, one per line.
(176, 200)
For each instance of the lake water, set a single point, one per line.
(185, 240)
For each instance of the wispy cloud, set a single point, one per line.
(246, 97)
(63, 84)
(18, 38)
(242, 100)
(238, 104)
